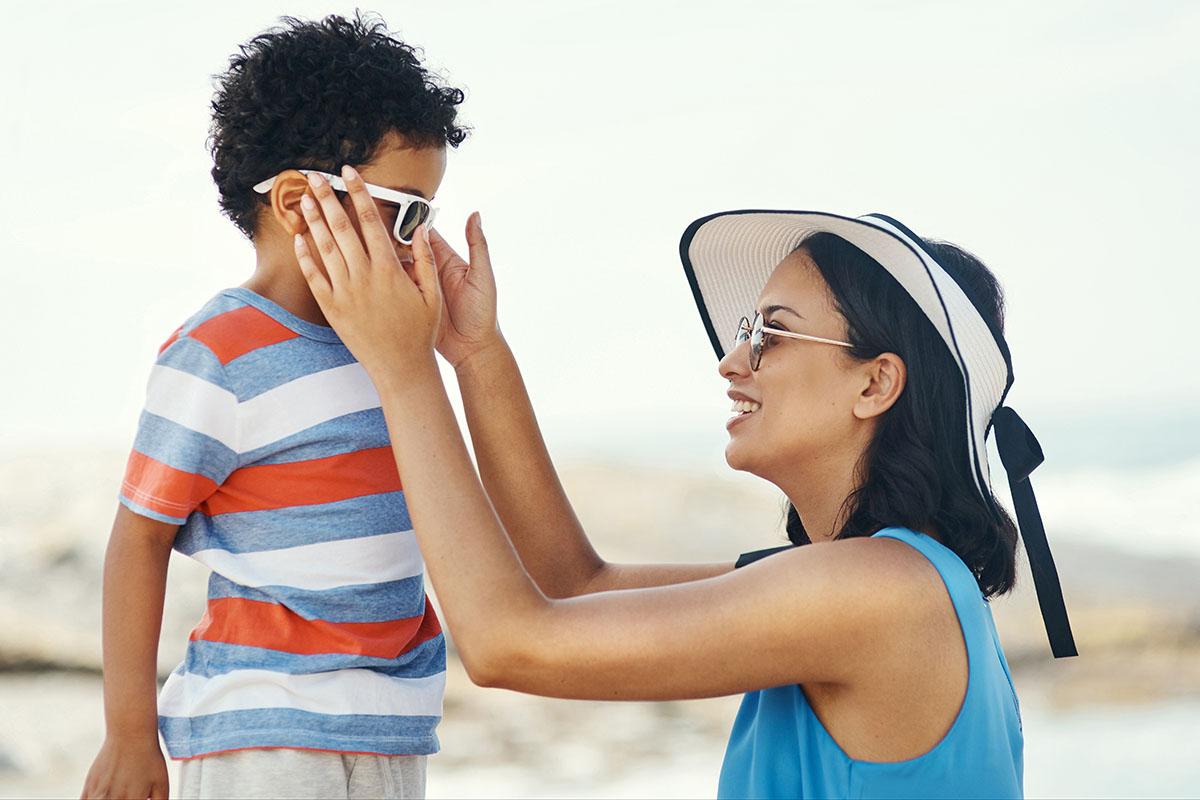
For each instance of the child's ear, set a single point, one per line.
(290, 186)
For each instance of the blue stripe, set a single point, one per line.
(284, 727)
(138, 508)
(209, 659)
(183, 448)
(364, 602)
(348, 433)
(266, 368)
(252, 531)
(193, 357)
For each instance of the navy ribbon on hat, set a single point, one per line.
(1020, 454)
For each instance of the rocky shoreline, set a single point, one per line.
(1136, 620)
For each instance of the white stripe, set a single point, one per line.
(194, 403)
(304, 402)
(322, 565)
(344, 691)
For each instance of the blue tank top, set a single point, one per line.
(778, 747)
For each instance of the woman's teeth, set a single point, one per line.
(745, 406)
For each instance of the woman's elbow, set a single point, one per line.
(490, 665)
(506, 659)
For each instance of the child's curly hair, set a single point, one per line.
(318, 95)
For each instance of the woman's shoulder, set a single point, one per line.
(928, 559)
(843, 611)
(898, 577)
(895, 558)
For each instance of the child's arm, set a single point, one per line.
(130, 762)
(526, 492)
(184, 449)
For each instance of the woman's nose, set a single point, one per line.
(736, 362)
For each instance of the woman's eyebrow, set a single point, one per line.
(774, 308)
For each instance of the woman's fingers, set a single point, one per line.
(312, 272)
(424, 272)
(447, 257)
(370, 221)
(477, 244)
(339, 223)
(327, 246)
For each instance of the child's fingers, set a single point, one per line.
(377, 236)
(317, 281)
(331, 254)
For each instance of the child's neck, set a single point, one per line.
(283, 284)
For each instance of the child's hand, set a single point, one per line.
(469, 312)
(387, 318)
(128, 768)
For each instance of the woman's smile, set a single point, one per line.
(743, 407)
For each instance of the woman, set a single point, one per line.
(869, 660)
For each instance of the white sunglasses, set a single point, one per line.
(412, 210)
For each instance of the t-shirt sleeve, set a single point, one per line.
(186, 442)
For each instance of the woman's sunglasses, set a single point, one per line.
(411, 209)
(755, 332)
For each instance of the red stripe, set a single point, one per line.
(301, 483)
(235, 333)
(154, 485)
(256, 623)
(431, 626)
(170, 341)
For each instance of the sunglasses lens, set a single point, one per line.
(743, 332)
(416, 213)
(756, 341)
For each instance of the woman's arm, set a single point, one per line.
(526, 491)
(830, 612)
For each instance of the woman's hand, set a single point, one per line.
(469, 313)
(388, 318)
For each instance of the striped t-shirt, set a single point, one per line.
(263, 438)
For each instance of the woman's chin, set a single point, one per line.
(735, 456)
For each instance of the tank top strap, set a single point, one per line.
(969, 603)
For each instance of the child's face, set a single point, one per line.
(400, 167)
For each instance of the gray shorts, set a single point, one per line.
(292, 773)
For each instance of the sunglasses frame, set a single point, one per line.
(756, 332)
(402, 200)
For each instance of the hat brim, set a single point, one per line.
(729, 256)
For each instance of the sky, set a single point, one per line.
(1056, 141)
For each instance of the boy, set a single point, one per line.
(318, 667)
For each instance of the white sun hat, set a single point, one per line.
(728, 258)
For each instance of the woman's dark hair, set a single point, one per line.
(916, 472)
(318, 95)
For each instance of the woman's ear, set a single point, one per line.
(290, 186)
(885, 376)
